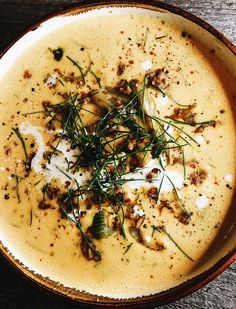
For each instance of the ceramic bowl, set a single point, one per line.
(224, 253)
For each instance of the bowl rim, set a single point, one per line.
(161, 298)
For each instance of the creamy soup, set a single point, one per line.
(117, 154)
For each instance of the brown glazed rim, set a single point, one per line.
(83, 298)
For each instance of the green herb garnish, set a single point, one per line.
(79, 67)
(100, 226)
(17, 188)
(161, 229)
(17, 132)
(122, 138)
(128, 247)
(57, 53)
(31, 217)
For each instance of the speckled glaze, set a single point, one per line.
(228, 50)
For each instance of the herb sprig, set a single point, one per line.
(17, 132)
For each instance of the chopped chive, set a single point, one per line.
(184, 164)
(64, 173)
(128, 247)
(17, 188)
(192, 123)
(161, 229)
(16, 131)
(176, 192)
(145, 39)
(37, 182)
(96, 78)
(78, 66)
(78, 224)
(31, 217)
(155, 228)
(161, 37)
(171, 238)
(161, 91)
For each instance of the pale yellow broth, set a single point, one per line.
(49, 245)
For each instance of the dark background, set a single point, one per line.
(16, 292)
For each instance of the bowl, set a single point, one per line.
(224, 253)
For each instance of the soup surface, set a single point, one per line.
(117, 154)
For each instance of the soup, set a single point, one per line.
(116, 169)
